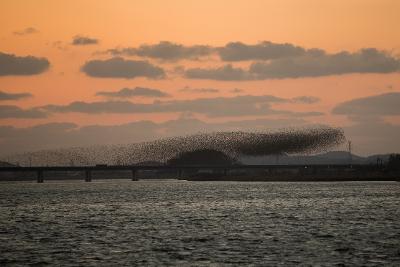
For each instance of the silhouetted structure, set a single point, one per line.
(394, 162)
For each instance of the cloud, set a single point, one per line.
(224, 73)
(369, 132)
(16, 65)
(14, 112)
(59, 45)
(370, 107)
(364, 61)
(373, 137)
(312, 64)
(117, 52)
(84, 40)
(51, 135)
(237, 51)
(199, 90)
(269, 60)
(118, 67)
(236, 90)
(233, 51)
(306, 99)
(11, 96)
(26, 31)
(165, 51)
(212, 107)
(137, 91)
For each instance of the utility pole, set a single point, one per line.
(350, 155)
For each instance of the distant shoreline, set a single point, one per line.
(219, 179)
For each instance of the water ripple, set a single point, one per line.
(146, 223)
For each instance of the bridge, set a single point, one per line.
(222, 169)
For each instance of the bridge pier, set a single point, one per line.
(40, 177)
(88, 175)
(179, 173)
(134, 178)
(225, 172)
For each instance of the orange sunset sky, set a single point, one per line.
(190, 66)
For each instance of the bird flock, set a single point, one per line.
(234, 144)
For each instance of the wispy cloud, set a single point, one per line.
(224, 73)
(14, 112)
(306, 99)
(370, 108)
(135, 92)
(26, 31)
(13, 96)
(245, 105)
(84, 40)
(199, 90)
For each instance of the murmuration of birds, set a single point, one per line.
(235, 144)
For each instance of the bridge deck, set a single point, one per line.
(342, 170)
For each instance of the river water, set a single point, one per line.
(179, 223)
